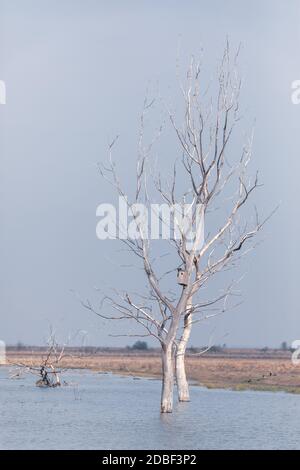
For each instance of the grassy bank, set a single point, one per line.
(235, 369)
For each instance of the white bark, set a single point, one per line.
(182, 383)
(167, 380)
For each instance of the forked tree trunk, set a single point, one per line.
(167, 379)
(182, 383)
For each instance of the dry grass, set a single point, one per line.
(238, 373)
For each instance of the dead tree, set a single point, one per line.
(212, 180)
(49, 369)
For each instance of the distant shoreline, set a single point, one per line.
(235, 369)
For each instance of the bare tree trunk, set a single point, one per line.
(182, 383)
(167, 379)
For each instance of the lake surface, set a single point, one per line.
(104, 411)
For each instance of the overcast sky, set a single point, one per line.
(76, 73)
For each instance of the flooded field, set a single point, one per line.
(104, 411)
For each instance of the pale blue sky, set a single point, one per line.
(76, 74)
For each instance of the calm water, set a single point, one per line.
(99, 411)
